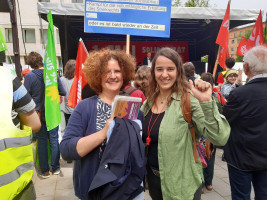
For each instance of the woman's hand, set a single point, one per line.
(88, 143)
(239, 78)
(105, 129)
(202, 90)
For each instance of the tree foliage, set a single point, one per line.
(205, 58)
(191, 3)
(197, 3)
(176, 3)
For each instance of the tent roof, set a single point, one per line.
(77, 9)
(196, 25)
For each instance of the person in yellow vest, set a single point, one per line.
(16, 154)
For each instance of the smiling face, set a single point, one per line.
(112, 79)
(231, 78)
(165, 73)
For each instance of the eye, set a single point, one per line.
(171, 69)
(159, 69)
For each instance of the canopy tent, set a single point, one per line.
(197, 26)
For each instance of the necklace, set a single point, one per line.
(148, 139)
(162, 100)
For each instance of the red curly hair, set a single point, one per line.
(96, 64)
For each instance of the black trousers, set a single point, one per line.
(155, 187)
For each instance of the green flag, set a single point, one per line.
(3, 46)
(52, 106)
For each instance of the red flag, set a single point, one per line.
(243, 47)
(223, 55)
(79, 81)
(223, 35)
(256, 38)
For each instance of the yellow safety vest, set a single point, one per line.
(16, 154)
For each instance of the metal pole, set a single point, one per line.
(13, 19)
(128, 44)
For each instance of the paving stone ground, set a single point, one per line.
(60, 187)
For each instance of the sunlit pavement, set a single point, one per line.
(60, 187)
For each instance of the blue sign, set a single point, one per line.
(133, 17)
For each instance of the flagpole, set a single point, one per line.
(81, 40)
(216, 63)
(128, 44)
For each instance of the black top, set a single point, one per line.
(246, 111)
(152, 159)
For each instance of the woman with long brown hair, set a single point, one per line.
(172, 171)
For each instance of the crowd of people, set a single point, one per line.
(170, 148)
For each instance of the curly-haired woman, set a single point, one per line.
(85, 139)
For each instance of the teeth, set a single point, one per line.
(165, 81)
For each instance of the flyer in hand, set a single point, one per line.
(126, 107)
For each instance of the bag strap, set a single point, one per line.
(187, 113)
(129, 90)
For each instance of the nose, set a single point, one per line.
(112, 74)
(164, 73)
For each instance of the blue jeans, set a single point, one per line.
(42, 136)
(240, 182)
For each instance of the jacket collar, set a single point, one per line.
(256, 80)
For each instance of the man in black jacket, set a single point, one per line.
(148, 60)
(246, 112)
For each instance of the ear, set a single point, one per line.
(246, 68)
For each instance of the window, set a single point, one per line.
(232, 49)
(25, 60)
(10, 59)
(77, 1)
(241, 33)
(9, 35)
(233, 41)
(44, 36)
(235, 35)
(29, 35)
(60, 64)
(57, 35)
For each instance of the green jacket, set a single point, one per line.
(180, 175)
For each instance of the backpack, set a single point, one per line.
(129, 90)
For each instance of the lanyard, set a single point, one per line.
(148, 139)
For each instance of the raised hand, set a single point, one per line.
(202, 90)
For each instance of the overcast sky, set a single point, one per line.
(243, 4)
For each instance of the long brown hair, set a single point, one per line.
(180, 86)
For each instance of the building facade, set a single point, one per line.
(32, 30)
(235, 35)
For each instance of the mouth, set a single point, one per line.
(165, 81)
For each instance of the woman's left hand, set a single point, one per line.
(202, 90)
